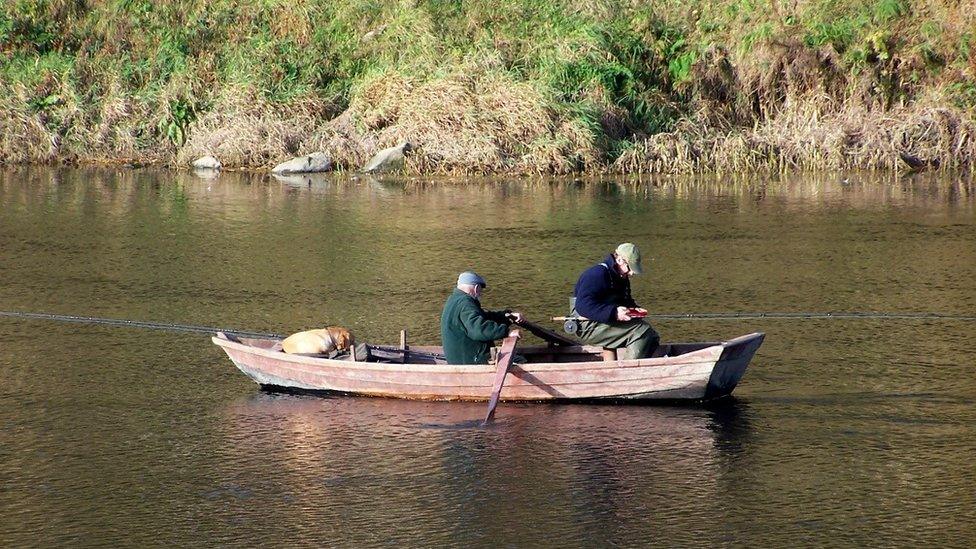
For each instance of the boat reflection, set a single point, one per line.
(605, 469)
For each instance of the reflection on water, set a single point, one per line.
(844, 432)
(587, 472)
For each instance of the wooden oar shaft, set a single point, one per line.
(547, 334)
(505, 356)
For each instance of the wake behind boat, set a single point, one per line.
(676, 371)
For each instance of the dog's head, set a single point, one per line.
(343, 338)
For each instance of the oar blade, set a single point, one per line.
(505, 357)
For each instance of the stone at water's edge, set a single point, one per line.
(387, 160)
(206, 163)
(312, 163)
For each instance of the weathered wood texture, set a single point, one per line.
(701, 371)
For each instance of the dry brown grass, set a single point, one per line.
(813, 133)
(464, 122)
(23, 138)
(245, 131)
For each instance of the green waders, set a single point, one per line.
(637, 336)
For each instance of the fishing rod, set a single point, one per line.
(135, 324)
(796, 316)
(804, 316)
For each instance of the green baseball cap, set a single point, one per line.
(632, 254)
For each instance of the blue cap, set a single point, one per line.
(471, 277)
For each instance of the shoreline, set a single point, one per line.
(810, 133)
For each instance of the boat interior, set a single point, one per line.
(429, 354)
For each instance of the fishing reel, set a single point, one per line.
(571, 326)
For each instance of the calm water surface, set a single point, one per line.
(843, 432)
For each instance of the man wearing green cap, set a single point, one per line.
(612, 317)
(467, 330)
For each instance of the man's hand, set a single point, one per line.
(623, 314)
(515, 317)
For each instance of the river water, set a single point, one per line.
(844, 432)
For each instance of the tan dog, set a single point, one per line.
(318, 342)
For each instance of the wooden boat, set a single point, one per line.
(677, 371)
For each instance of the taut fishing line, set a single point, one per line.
(673, 316)
(134, 324)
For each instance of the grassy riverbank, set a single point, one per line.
(480, 86)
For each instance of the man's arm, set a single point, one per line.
(481, 328)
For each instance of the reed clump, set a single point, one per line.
(520, 86)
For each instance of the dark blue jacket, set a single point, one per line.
(600, 290)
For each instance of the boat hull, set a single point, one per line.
(710, 372)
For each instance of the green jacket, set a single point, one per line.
(468, 331)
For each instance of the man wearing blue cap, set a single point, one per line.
(612, 317)
(467, 330)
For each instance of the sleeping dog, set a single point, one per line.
(318, 342)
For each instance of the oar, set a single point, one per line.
(548, 335)
(505, 356)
